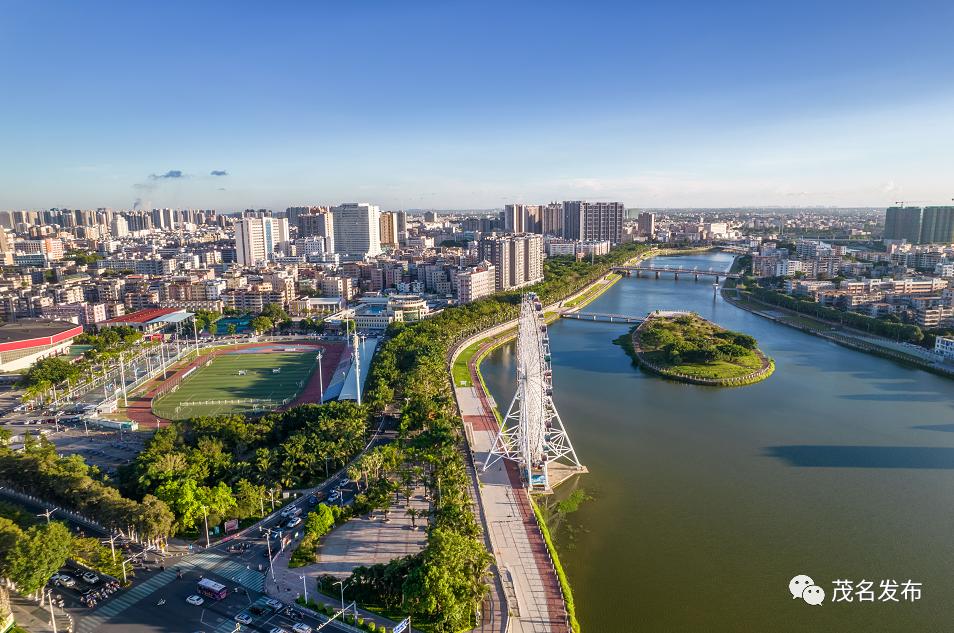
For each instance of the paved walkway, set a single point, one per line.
(288, 585)
(29, 615)
(529, 580)
(367, 541)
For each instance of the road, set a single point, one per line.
(239, 562)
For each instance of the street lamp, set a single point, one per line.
(48, 513)
(305, 587)
(268, 544)
(321, 379)
(49, 593)
(205, 514)
(343, 583)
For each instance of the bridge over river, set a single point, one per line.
(675, 271)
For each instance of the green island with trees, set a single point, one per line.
(689, 348)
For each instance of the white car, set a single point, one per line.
(278, 629)
(91, 578)
(243, 618)
(301, 627)
(195, 599)
(289, 511)
(62, 580)
(278, 605)
(293, 522)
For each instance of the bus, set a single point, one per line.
(212, 589)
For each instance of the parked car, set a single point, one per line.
(90, 578)
(195, 599)
(62, 580)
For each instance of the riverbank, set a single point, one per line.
(690, 349)
(684, 479)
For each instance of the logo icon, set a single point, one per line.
(804, 587)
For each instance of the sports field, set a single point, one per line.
(238, 382)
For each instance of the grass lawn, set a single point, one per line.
(461, 369)
(208, 389)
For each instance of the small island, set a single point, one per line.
(686, 347)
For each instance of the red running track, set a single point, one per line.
(140, 407)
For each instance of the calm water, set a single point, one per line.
(705, 502)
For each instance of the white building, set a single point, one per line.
(944, 347)
(119, 227)
(474, 283)
(257, 239)
(357, 228)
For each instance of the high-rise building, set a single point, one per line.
(646, 224)
(389, 230)
(937, 225)
(474, 283)
(903, 223)
(916, 225)
(517, 259)
(603, 221)
(401, 222)
(597, 221)
(357, 229)
(523, 218)
(119, 227)
(320, 224)
(553, 219)
(256, 239)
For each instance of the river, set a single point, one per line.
(702, 503)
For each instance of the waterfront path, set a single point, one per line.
(529, 581)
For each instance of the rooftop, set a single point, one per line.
(37, 328)
(144, 316)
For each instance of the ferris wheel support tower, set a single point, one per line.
(532, 434)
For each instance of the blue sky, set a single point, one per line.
(474, 104)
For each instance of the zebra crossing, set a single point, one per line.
(221, 564)
(122, 602)
(248, 578)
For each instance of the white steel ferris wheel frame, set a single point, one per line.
(532, 433)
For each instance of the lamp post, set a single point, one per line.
(52, 615)
(205, 515)
(321, 378)
(342, 583)
(268, 544)
(305, 587)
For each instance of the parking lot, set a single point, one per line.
(105, 449)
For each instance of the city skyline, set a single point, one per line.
(425, 106)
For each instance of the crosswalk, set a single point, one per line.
(207, 561)
(248, 578)
(221, 564)
(122, 602)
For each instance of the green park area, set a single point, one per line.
(238, 383)
(689, 347)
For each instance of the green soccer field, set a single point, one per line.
(219, 389)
